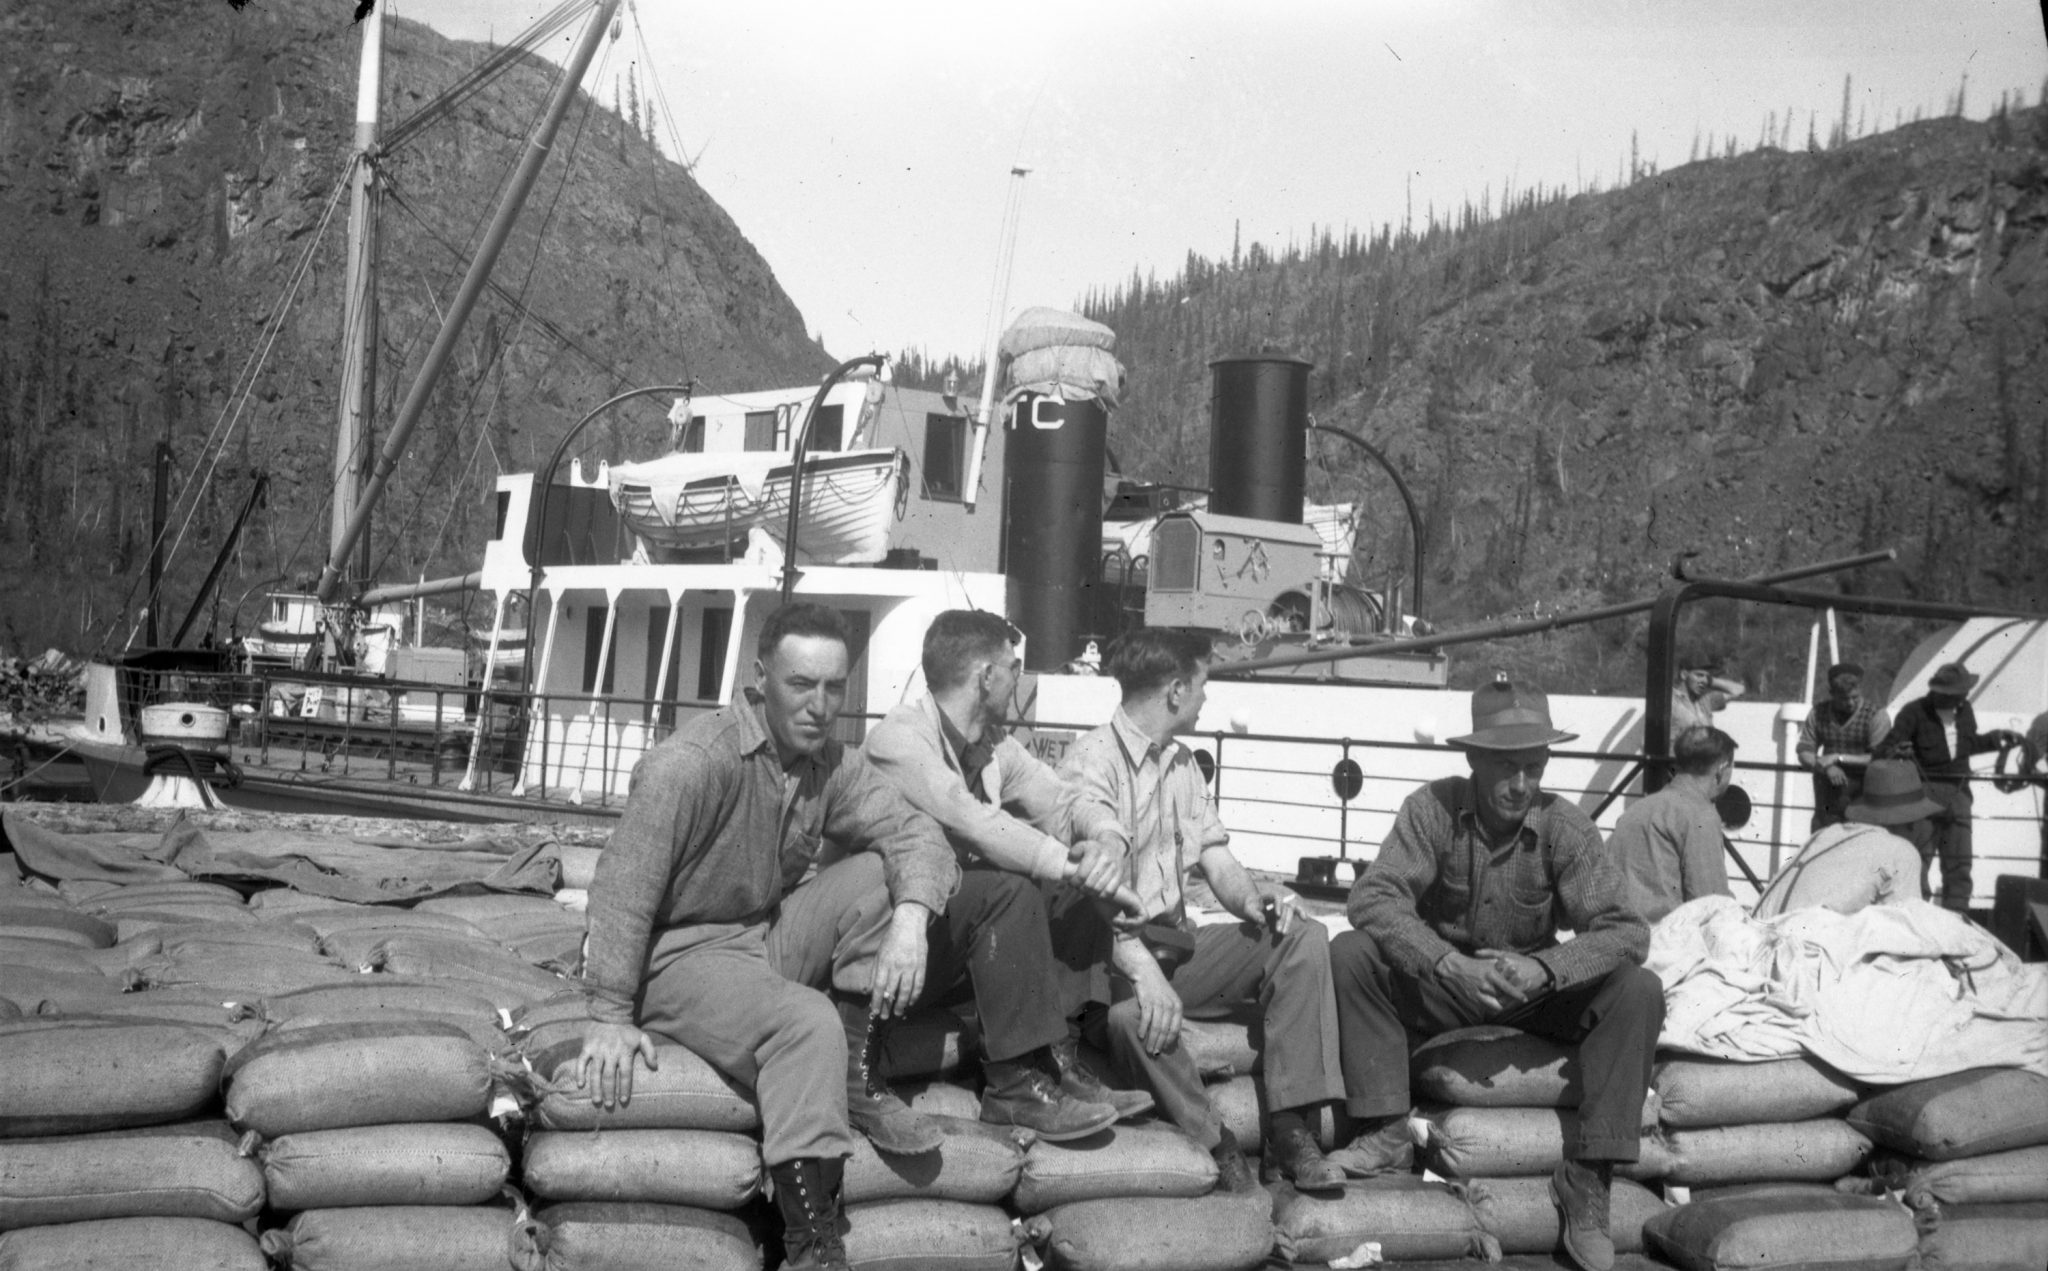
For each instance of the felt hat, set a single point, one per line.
(1506, 716)
(1892, 795)
(1952, 677)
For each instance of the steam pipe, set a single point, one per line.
(1407, 501)
(797, 447)
(466, 296)
(1529, 626)
(540, 511)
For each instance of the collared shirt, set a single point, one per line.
(1015, 814)
(1669, 847)
(1825, 733)
(717, 830)
(1158, 797)
(1440, 886)
(971, 757)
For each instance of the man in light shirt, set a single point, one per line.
(1273, 959)
(1669, 845)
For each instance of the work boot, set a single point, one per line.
(1233, 1174)
(1386, 1150)
(1078, 1081)
(892, 1125)
(1291, 1152)
(807, 1194)
(1026, 1092)
(1580, 1189)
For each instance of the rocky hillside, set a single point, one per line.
(166, 177)
(1768, 359)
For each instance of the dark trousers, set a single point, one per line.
(1382, 1011)
(1238, 966)
(1950, 841)
(994, 936)
(1831, 802)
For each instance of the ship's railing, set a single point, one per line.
(1279, 794)
(1283, 799)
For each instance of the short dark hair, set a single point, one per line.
(1699, 749)
(801, 619)
(1148, 659)
(1844, 668)
(957, 639)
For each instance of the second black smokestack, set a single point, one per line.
(1258, 436)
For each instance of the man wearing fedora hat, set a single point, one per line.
(1938, 733)
(1456, 923)
(1870, 859)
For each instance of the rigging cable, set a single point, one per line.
(499, 61)
(238, 399)
(519, 298)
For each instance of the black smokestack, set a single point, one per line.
(1052, 541)
(1258, 436)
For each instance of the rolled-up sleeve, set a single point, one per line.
(864, 810)
(669, 792)
(1386, 899)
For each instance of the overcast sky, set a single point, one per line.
(866, 148)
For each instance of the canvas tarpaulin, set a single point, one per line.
(324, 864)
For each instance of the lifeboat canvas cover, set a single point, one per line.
(705, 500)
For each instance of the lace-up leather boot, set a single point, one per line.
(1078, 1081)
(1581, 1190)
(892, 1125)
(1026, 1092)
(807, 1194)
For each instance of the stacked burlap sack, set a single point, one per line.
(1968, 1153)
(113, 1151)
(360, 1047)
(674, 1176)
(1495, 1109)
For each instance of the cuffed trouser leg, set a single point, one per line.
(1238, 966)
(712, 988)
(994, 933)
(1287, 978)
(1614, 1022)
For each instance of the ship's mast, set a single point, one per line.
(466, 297)
(359, 312)
(1006, 255)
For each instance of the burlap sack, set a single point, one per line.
(704, 1169)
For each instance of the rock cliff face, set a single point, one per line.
(1767, 360)
(168, 175)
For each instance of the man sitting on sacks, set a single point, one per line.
(1004, 810)
(758, 860)
(1456, 923)
(1273, 957)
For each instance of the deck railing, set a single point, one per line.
(1280, 795)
